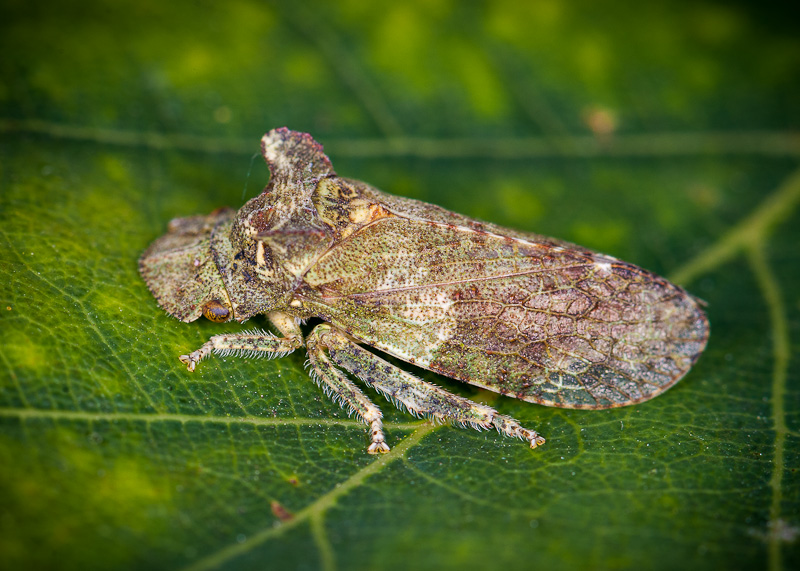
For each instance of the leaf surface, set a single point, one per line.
(663, 134)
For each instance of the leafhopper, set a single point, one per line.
(527, 316)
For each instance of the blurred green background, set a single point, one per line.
(664, 133)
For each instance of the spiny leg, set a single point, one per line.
(341, 387)
(417, 395)
(510, 427)
(252, 343)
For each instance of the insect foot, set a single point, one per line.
(527, 316)
(194, 357)
(509, 426)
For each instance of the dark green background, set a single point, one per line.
(663, 133)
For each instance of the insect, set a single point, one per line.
(524, 315)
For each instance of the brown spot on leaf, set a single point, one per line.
(280, 512)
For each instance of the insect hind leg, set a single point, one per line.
(418, 396)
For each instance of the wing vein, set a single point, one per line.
(453, 282)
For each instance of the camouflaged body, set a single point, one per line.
(521, 314)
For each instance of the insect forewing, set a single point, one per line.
(537, 321)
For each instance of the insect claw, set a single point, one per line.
(536, 441)
(189, 362)
(378, 448)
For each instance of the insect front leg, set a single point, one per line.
(252, 343)
(417, 395)
(335, 383)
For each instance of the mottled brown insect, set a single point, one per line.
(520, 314)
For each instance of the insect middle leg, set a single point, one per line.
(343, 389)
(417, 395)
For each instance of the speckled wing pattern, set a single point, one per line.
(536, 320)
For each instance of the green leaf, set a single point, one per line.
(662, 133)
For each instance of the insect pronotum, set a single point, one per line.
(524, 315)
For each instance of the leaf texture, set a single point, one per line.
(661, 133)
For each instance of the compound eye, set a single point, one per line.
(215, 311)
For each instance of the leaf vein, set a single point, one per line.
(316, 508)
